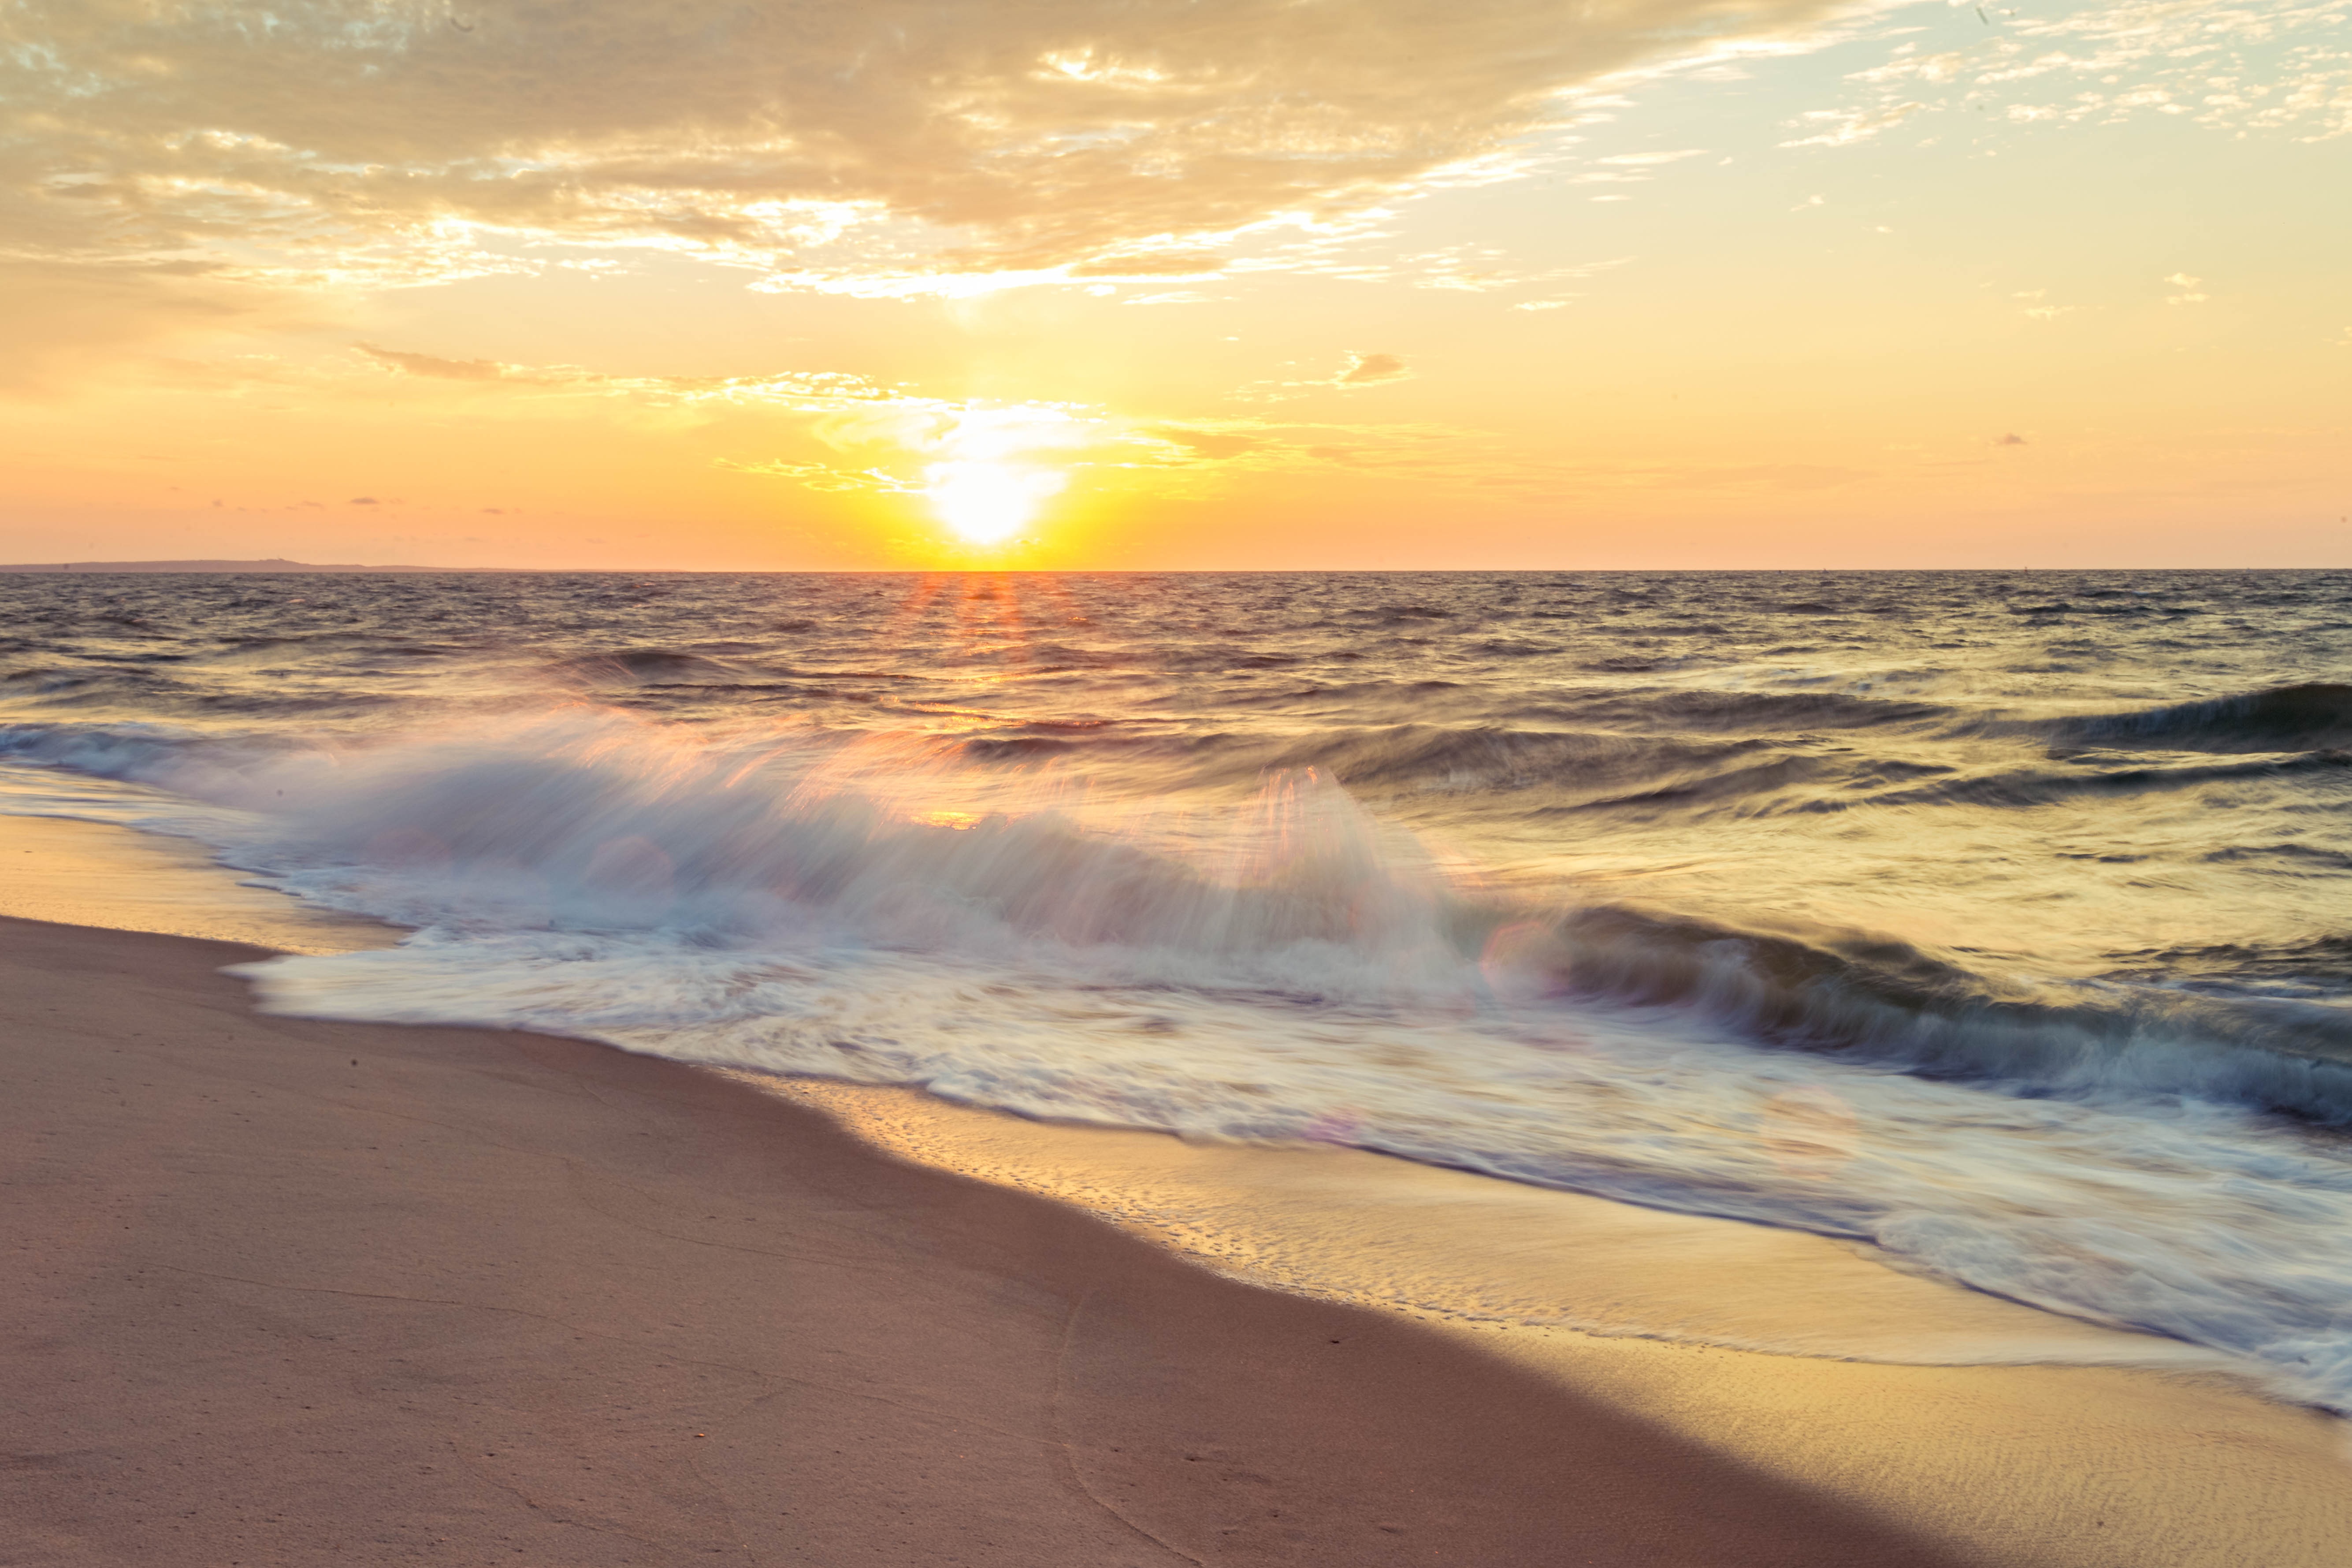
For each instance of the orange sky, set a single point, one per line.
(1182, 283)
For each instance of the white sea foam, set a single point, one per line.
(1293, 971)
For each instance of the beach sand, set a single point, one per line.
(292, 1292)
(2007, 1434)
(90, 874)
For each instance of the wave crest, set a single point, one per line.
(2313, 716)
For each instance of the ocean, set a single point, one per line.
(2001, 921)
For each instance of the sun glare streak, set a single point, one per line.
(986, 501)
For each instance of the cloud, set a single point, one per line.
(1209, 443)
(2276, 70)
(1360, 369)
(1373, 370)
(55, 316)
(1150, 264)
(816, 392)
(909, 445)
(444, 369)
(821, 476)
(1845, 127)
(2190, 293)
(364, 145)
(2012, 439)
(1652, 159)
(1555, 480)
(1483, 269)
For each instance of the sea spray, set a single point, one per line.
(1630, 886)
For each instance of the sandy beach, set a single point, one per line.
(1131, 783)
(288, 1292)
(2006, 1434)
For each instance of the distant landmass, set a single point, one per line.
(273, 564)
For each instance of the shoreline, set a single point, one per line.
(2008, 1434)
(1996, 1463)
(289, 1290)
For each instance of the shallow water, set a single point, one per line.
(1995, 920)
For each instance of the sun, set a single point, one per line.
(987, 501)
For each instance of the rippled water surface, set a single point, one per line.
(1998, 918)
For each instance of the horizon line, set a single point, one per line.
(282, 566)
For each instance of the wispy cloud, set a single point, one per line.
(1205, 443)
(867, 146)
(447, 368)
(2279, 68)
(1373, 370)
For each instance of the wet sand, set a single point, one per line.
(2007, 1434)
(90, 874)
(292, 1292)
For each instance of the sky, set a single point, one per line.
(1177, 284)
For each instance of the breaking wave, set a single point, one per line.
(591, 820)
(1072, 865)
(2316, 716)
(883, 911)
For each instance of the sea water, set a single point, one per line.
(2000, 920)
